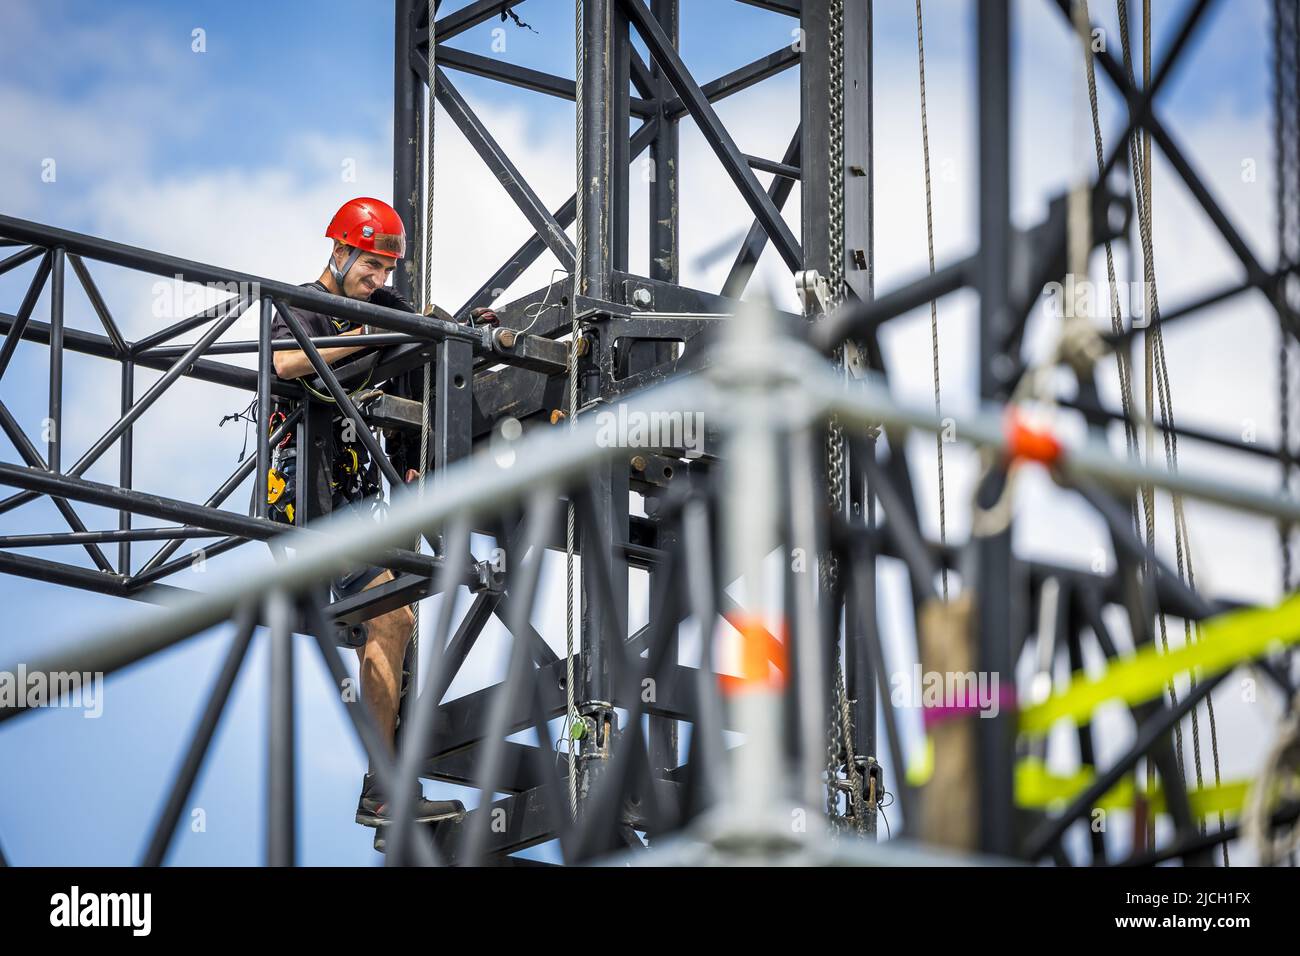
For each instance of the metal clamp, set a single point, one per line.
(813, 292)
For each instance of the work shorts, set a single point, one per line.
(354, 581)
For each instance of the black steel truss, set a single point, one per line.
(631, 780)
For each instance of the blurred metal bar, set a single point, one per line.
(474, 486)
(183, 783)
(377, 750)
(995, 622)
(541, 506)
(281, 795)
(418, 738)
(807, 630)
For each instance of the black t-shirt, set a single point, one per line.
(316, 324)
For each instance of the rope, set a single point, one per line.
(426, 273)
(1158, 366)
(1116, 314)
(934, 308)
(1277, 781)
(1286, 145)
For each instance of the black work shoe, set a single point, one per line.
(374, 809)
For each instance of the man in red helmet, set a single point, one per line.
(369, 241)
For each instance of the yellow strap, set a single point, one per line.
(921, 768)
(1226, 640)
(1039, 790)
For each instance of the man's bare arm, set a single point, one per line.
(294, 363)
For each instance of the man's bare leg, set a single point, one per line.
(381, 686)
(381, 663)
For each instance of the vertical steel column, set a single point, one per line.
(808, 624)
(407, 107)
(54, 421)
(125, 456)
(280, 796)
(663, 162)
(663, 737)
(619, 154)
(265, 369)
(609, 485)
(453, 409)
(596, 135)
(994, 626)
(814, 76)
(816, 181)
(314, 497)
(664, 156)
(859, 675)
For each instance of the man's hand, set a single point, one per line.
(411, 475)
(483, 316)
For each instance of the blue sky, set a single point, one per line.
(233, 156)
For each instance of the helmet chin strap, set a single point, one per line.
(338, 273)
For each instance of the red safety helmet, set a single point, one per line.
(370, 225)
(367, 225)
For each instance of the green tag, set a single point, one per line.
(578, 730)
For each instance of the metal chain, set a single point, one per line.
(934, 307)
(835, 433)
(570, 530)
